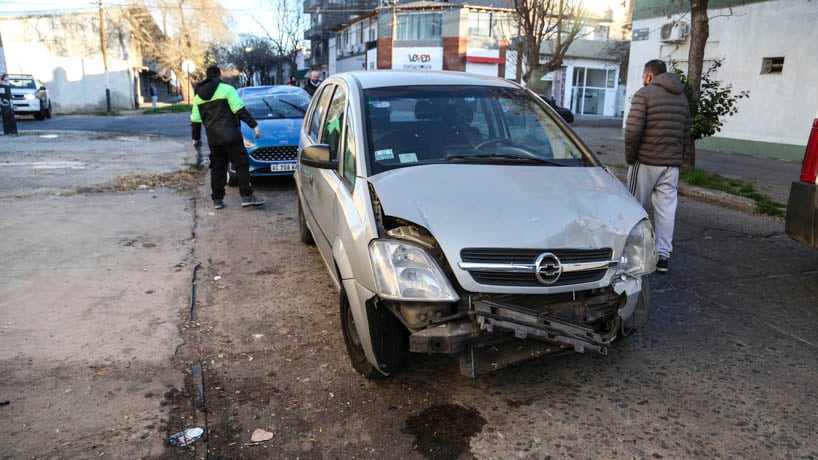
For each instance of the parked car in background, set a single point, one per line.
(457, 214)
(566, 114)
(279, 113)
(30, 97)
(802, 205)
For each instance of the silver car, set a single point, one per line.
(459, 214)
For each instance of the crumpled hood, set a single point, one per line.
(491, 206)
(207, 88)
(668, 81)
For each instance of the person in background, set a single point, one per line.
(154, 95)
(656, 134)
(218, 106)
(315, 81)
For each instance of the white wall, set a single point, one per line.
(781, 106)
(74, 84)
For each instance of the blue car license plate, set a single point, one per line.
(280, 167)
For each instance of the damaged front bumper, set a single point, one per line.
(491, 333)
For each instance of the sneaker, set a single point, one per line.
(252, 200)
(218, 204)
(662, 265)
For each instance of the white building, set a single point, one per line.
(769, 48)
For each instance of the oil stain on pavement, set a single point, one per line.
(443, 432)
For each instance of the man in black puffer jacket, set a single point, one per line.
(656, 134)
(220, 108)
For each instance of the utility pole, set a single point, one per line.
(104, 56)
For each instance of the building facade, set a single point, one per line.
(425, 36)
(768, 48)
(63, 50)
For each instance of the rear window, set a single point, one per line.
(22, 83)
(409, 126)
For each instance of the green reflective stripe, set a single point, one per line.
(223, 91)
(334, 126)
(195, 116)
(232, 97)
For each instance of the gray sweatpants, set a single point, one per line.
(656, 185)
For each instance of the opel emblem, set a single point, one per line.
(547, 268)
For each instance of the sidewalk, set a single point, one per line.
(770, 176)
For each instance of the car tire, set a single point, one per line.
(40, 116)
(304, 232)
(48, 112)
(390, 346)
(232, 179)
(641, 314)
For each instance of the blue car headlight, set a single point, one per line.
(248, 144)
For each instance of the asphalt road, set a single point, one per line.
(175, 125)
(726, 367)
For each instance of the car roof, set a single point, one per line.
(382, 78)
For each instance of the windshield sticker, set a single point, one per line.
(381, 104)
(385, 154)
(408, 157)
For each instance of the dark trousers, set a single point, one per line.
(236, 155)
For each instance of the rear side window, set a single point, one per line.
(320, 110)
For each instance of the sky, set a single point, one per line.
(243, 11)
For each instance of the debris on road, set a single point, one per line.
(261, 435)
(187, 437)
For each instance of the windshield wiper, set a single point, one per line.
(504, 157)
(277, 112)
(293, 105)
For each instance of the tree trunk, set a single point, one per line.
(699, 32)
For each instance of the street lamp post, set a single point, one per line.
(189, 67)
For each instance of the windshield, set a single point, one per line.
(274, 106)
(22, 83)
(474, 124)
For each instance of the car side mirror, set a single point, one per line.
(42, 88)
(317, 156)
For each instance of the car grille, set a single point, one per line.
(529, 256)
(278, 153)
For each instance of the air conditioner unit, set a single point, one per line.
(674, 32)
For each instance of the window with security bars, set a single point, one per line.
(772, 65)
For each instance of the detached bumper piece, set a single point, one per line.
(495, 334)
(802, 213)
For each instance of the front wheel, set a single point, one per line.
(304, 232)
(40, 115)
(390, 341)
(353, 342)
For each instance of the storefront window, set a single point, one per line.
(588, 91)
(480, 23)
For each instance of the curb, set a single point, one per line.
(719, 198)
(715, 197)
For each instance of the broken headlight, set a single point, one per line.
(639, 256)
(407, 272)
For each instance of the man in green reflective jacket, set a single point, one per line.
(220, 108)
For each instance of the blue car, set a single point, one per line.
(279, 113)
